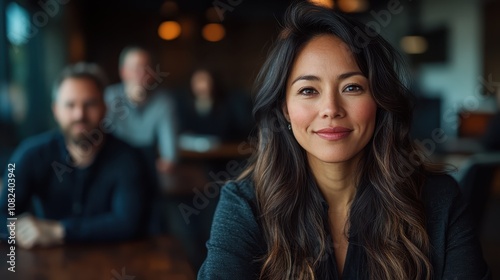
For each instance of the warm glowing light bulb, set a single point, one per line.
(169, 30)
(213, 32)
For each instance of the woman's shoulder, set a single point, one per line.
(240, 197)
(236, 242)
(240, 190)
(441, 183)
(236, 218)
(452, 231)
(440, 190)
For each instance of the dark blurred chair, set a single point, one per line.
(476, 180)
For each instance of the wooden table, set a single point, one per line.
(154, 258)
(193, 168)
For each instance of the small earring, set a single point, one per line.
(289, 126)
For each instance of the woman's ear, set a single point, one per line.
(284, 109)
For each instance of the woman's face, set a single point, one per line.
(328, 101)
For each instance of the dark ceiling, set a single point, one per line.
(243, 9)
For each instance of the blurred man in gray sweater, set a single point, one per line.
(142, 114)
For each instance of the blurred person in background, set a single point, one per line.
(142, 114)
(77, 183)
(206, 114)
(208, 110)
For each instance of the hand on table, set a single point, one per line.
(31, 231)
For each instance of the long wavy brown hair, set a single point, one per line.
(387, 214)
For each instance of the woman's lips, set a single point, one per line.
(334, 133)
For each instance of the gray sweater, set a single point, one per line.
(151, 124)
(236, 240)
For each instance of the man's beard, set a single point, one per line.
(81, 138)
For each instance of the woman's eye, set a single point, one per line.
(353, 88)
(308, 91)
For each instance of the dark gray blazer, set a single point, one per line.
(236, 240)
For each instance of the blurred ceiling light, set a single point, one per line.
(414, 44)
(353, 6)
(324, 3)
(213, 32)
(169, 30)
(169, 8)
(212, 15)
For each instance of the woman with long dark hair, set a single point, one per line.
(336, 188)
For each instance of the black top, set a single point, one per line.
(100, 202)
(491, 137)
(229, 119)
(236, 240)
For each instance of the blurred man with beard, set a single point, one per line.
(77, 183)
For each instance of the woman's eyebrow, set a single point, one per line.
(342, 76)
(349, 74)
(306, 78)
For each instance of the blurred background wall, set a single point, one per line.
(40, 37)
